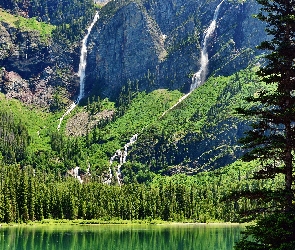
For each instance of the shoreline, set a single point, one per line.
(80, 222)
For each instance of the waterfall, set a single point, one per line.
(121, 155)
(200, 76)
(83, 57)
(76, 174)
(81, 72)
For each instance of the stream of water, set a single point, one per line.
(81, 72)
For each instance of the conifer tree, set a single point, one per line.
(272, 138)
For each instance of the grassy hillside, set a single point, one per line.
(198, 134)
(27, 24)
(37, 122)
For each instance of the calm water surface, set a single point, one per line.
(131, 237)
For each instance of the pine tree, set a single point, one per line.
(272, 139)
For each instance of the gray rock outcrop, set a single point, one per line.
(33, 69)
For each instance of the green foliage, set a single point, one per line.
(272, 138)
(28, 194)
(44, 29)
(14, 138)
(274, 231)
(37, 124)
(28, 24)
(59, 101)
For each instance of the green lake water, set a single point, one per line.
(131, 237)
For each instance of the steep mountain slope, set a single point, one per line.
(156, 44)
(201, 133)
(38, 60)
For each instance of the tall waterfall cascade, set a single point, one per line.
(199, 77)
(81, 72)
(83, 57)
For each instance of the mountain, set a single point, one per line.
(156, 44)
(140, 60)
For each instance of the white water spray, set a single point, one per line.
(200, 76)
(121, 155)
(81, 72)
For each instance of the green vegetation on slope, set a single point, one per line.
(27, 24)
(163, 142)
(201, 132)
(38, 125)
(39, 176)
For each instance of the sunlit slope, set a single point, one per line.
(201, 133)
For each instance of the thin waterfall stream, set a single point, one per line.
(200, 76)
(197, 80)
(81, 72)
(121, 155)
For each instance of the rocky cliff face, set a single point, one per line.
(124, 47)
(157, 43)
(24, 51)
(23, 57)
(148, 44)
(33, 70)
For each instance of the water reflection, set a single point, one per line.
(160, 237)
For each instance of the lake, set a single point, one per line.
(131, 237)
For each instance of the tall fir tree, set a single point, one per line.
(272, 138)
